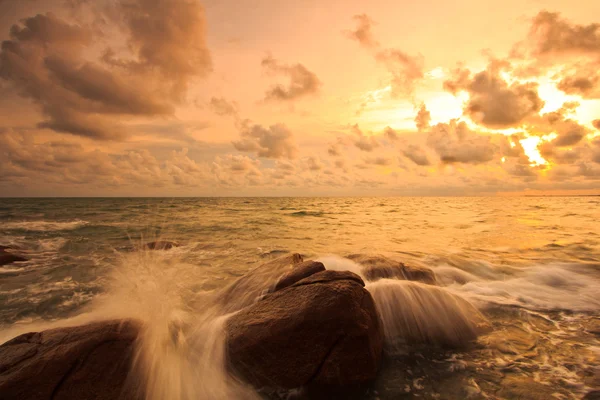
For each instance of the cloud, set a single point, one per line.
(456, 143)
(550, 34)
(26, 160)
(406, 70)
(493, 102)
(423, 118)
(275, 141)
(48, 60)
(221, 106)
(390, 133)
(381, 161)
(571, 49)
(596, 124)
(363, 142)
(582, 81)
(363, 33)
(417, 155)
(314, 164)
(302, 81)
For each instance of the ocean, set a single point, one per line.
(531, 265)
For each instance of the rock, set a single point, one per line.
(9, 258)
(161, 245)
(320, 331)
(249, 288)
(84, 362)
(379, 267)
(593, 395)
(300, 271)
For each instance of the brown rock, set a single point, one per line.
(379, 267)
(322, 330)
(249, 288)
(8, 258)
(161, 245)
(593, 395)
(84, 362)
(300, 271)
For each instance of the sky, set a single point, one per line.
(299, 98)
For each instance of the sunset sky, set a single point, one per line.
(299, 98)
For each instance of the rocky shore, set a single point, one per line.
(290, 324)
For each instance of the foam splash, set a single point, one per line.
(416, 313)
(44, 226)
(549, 287)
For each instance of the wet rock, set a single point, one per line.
(320, 331)
(593, 395)
(6, 257)
(250, 287)
(84, 362)
(161, 245)
(377, 267)
(300, 271)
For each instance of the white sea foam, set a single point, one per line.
(413, 312)
(337, 263)
(548, 287)
(44, 226)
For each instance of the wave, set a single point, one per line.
(307, 214)
(44, 226)
(571, 287)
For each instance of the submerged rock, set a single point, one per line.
(161, 245)
(84, 362)
(377, 267)
(7, 257)
(322, 330)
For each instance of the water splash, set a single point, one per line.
(412, 313)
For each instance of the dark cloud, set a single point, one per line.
(423, 118)
(47, 60)
(553, 153)
(275, 141)
(550, 34)
(584, 82)
(456, 143)
(572, 49)
(381, 161)
(221, 106)
(363, 142)
(417, 155)
(596, 124)
(493, 102)
(569, 132)
(302, 81)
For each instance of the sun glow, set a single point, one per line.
(530, 147)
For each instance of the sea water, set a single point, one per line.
(528, 266)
